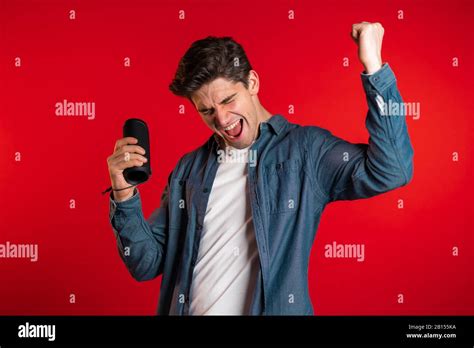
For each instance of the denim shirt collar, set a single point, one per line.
(277, 123)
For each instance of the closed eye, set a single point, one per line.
(228, 100)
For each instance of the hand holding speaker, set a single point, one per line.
(129, 164)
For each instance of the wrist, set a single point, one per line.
(123, 195)
(372, 67)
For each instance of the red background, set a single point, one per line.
(407, 251)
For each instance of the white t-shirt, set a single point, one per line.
(226, 268)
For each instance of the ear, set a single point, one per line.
(254, 83)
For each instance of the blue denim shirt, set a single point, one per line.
(299, 170)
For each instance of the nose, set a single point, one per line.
(222, 118)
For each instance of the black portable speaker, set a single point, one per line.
(137, 128)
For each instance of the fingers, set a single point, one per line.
(124, 165)
(125, 141)
(357, 28)
(126, 160)
(364, 28)
(127, 156)
(131, 148)
(128, 149)
(121, 165)
(354, 33)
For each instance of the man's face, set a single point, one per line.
(228, 109)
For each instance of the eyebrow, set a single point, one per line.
(225, 100)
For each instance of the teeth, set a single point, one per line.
(233, 125)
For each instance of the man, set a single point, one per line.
(239, 214)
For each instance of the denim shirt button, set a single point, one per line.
(205, 190)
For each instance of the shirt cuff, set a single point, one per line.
(379, 80)
(135, 191)
(120, 211)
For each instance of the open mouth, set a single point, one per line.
(234, 130)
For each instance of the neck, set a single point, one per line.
(262, 114)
